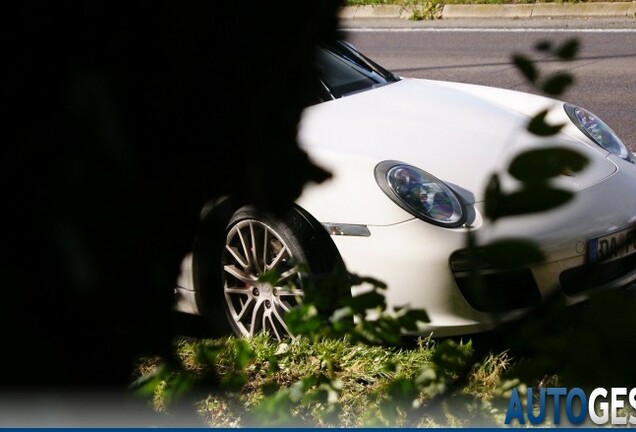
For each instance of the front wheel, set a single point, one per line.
(264, 268)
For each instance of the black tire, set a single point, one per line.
(228, 269)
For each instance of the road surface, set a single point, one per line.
(605, 69)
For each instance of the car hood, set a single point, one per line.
(459, 133)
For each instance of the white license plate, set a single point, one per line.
(612, 246)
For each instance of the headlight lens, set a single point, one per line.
(419, 193)
(597, 130)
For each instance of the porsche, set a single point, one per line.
(411, 160)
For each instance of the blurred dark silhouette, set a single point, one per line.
(123, 119)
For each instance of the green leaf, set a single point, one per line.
(539, 165)
(370, 300)
(557, 83)
(344, 313)
(452, 357)
(147, 384)
(243, 353)
(493, 198)
(402, 390)
(417, 315)
(304, 320)
(390, 367)
(511, 253)
(207, 354)
(177, 386)
(273, 366)
(269, 388)
(538, 126)
(544, 46)
(532, 199)
(387, 331)
(271, 277)
(526, 67)
(233, 381)
(410, 319)
(568, 50)
(343, 327)
(359, 280)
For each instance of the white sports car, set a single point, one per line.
(411, 160)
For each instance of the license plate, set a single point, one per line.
(612, 246)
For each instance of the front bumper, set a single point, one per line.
(412, 258)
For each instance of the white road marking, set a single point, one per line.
(481, 30)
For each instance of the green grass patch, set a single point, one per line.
(432, 9)
(326, 383)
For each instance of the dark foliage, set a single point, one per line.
(125, 118)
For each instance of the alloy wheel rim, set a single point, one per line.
(261, 281)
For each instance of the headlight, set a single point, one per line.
(419, 193)
(597, 130)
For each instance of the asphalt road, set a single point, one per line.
(605, 70)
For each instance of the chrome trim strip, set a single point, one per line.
(343, 229)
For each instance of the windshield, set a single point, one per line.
(344, 71)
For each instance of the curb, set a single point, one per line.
(379, 11)
(533, 10)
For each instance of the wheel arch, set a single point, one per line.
(210, 241)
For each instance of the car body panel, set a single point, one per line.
(412, 257)
(351, 135)
(461, 139)
(461, 134)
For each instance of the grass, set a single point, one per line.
(358, 380)
(407, 3)
(333, 382)
(432, 9)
